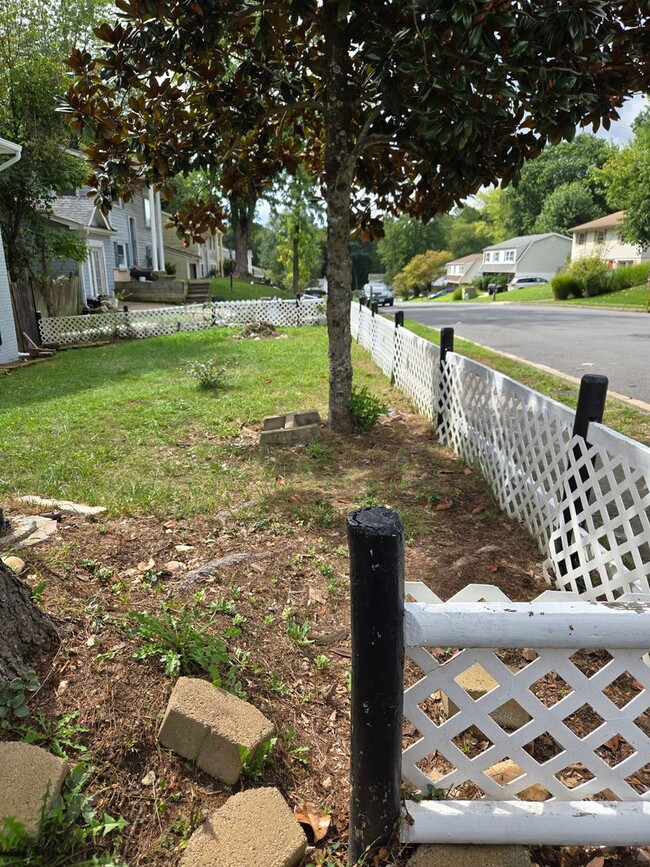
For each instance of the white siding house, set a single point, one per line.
(463, 270)
(8, 340)
(528, 256)
(129, 236)
(602, 239)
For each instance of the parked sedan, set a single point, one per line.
(377, 293)
(520, 282)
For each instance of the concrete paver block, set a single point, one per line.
(470, 856)
(291, 428)
(477, 682)
(252, 828)
(208, 725)
(30, 780)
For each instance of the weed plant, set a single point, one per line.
(366, 408)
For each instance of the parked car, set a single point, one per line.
(520, 282)
(316, 292)
(377, 293)
(441, 292)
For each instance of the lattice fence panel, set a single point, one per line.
(364, 335)
(416, 371)
(517, 437)
(601, 547)
(383, 344)
(68, 330)
(582, 728)
(355, 320)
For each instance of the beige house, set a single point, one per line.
(193, 261)
(602, 239)
(463, 270)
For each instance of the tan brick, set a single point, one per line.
(209, 726)
(30, 777)
(470, 856)
(477, 682)
(252, 828)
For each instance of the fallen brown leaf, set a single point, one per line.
(492, 568)
(478, 510)
(312, 815)
(467, 471)
(279, 480)
(294, 498)
(598, 861)
(441, 507)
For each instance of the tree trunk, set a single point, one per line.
(339, 172)
(242, 211)
(27, 635)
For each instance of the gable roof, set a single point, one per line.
(79, 210)
(607, 222)
(463, 259)
(524, 241)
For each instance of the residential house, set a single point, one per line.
(463, 270)
(528, 255)
(602, 239)
(129, 236)
(10, 154)
(193, 261)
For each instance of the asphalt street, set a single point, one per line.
(571, 340)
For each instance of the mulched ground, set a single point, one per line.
(293, 569)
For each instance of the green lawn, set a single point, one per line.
(635, 298)
(244, 290)
(125, 425)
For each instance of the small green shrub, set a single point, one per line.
(13, 700)
(209, 374)
(457, 294)
(365, 408)
(566, 285)
(593, 273)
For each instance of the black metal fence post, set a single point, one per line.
(590, 408)
(446, 345)
(399, 323)
(376, 541)
(374, 307)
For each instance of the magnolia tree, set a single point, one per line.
(400, 106)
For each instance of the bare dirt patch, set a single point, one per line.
(279, 597)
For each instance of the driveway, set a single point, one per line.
(571, 340)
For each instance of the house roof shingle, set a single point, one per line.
(78, 209)
(524, 241)
(607, 222)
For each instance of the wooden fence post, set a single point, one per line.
(376, 541)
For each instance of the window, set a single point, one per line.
(582, 237)
(487, 256)
(122, 254)
(496, 256)
(509, 256)
(147, 213)
(600, 236)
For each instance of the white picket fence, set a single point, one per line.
(70, 330)
(565, 698)
(588, 506)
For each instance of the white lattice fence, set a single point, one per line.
(383, 343)
(565, 698)
(601, 547)
(416, 371)
(67, 330)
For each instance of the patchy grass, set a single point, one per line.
(635, 298)
(620, 416)
(245, 290)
